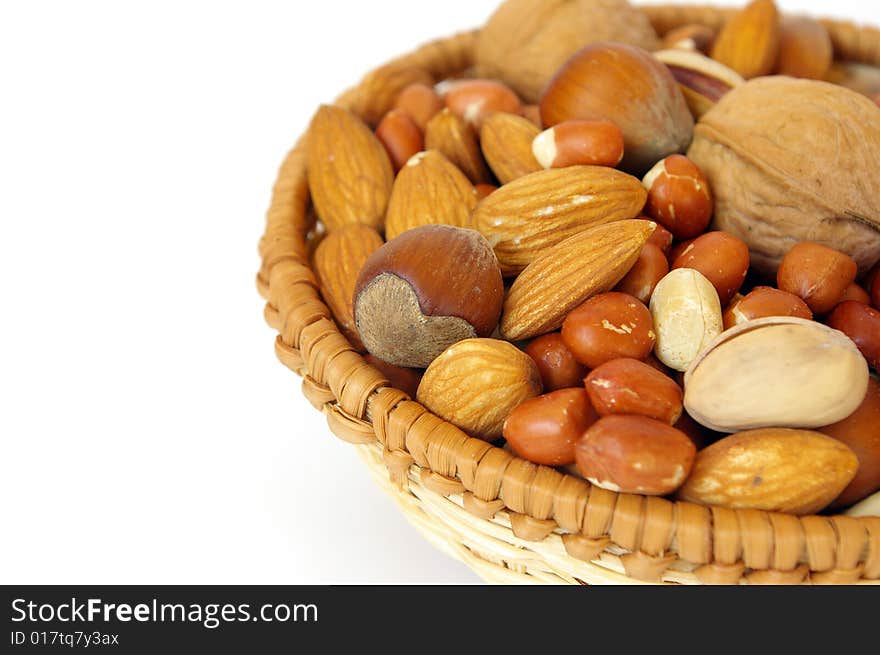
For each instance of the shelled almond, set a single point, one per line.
(429, 190)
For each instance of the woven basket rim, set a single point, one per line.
(654, 535)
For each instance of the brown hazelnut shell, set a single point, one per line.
(630, 87)
(424, 290)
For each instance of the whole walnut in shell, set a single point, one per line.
(526, 41)
(794, 160)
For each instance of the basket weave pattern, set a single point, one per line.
(511, 520)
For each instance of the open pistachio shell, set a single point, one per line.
(776, 372)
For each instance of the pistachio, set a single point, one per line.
(703, 81)
(781, 371)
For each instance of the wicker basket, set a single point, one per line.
(510, 520)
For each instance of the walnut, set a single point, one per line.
(794, 160)
(526, 41)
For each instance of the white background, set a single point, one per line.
(148, 433)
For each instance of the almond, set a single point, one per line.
(774, 469)
(567, 274)
(429, 190)
(350, 174)
(452, 136)
(507, 144)
(749, 42)
(537, 211)
(476, 384)
(338, 260)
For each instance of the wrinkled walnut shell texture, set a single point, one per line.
(794, 160)
(526, 41)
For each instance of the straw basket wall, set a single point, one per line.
(510, 520)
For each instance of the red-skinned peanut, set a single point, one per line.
(646, 273)
(856, 293)
(576, 142)
(661, 237)
(635, 454)
(763, 302)
(861, 323)
(557, 365)
(722, 258)
(544, 430)
(474, 100)
(817, 274)
(401, 137)
(628, 386)
(609, 326)
(679, 197)
(861, 432)
(420, 102)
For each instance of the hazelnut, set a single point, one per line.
(425, 290)
(526, 41)
(476, 383)
(627, 85)
(679, 197)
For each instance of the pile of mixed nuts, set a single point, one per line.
(560, 276)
